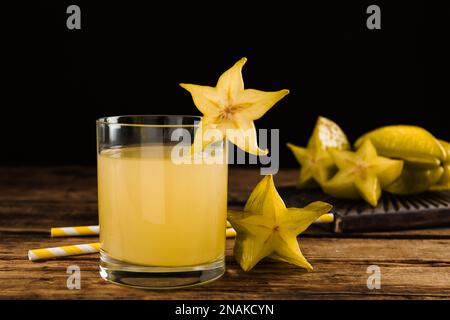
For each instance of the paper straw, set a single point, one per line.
(74, 231)
(79, 249)
(94, 230)
(55, 252)
(326, 218)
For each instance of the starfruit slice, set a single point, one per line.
(362, 174)
(413, 144)
(229, 110)
(266, 228)
(327, 134)
(317, 166)
(413, 180)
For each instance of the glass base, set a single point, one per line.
(145, 277)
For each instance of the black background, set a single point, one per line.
(129, 57)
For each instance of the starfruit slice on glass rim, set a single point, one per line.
(229, 110)
(317, 165)
(362, 174)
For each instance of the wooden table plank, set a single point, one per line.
(414, 263)
(409, 269)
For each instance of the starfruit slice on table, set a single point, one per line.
(362, 174)
(414, 180)
(229, 110)
(266, 228)
(317, 166)
(413, 144)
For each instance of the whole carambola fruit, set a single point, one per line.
(444, 181)
(414, 180)
(415, 145)
(446, 146)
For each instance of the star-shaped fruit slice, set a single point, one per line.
(327, 134)
(317, 165)
(229, 110)
(362, 174)
(266, 228)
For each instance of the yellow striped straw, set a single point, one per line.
(56, 252)
(94, 230)
(326, 218)
(79, 249)
(231, 233)
(74, 231)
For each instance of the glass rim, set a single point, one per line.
(113, 120)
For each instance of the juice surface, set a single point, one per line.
(154, 212)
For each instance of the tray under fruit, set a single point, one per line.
(394, 212)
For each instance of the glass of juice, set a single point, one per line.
(162, 205)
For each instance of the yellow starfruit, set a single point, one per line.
(317, 166)
(229, 110)
(415, 180)
(362, 174)
(415, 145)
(266, 228)
(444, 181)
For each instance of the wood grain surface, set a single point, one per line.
(414, 264)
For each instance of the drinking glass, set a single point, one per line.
(162, 210)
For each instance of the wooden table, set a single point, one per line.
(414, 264)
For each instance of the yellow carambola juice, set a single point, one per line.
(154, 212)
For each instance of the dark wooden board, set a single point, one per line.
(394, 212)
